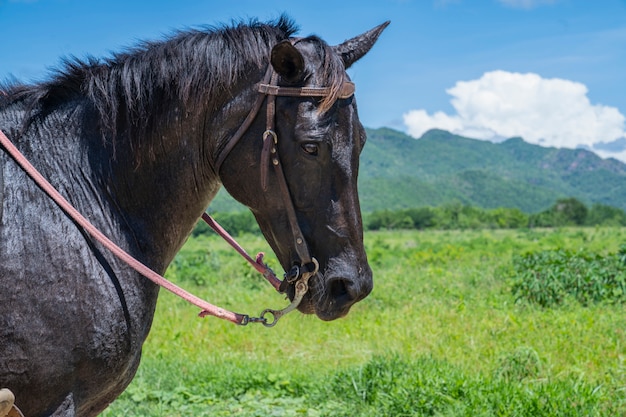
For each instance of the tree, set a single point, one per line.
(603, 215)
(570, 211)
(421, 218)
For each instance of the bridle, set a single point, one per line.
(269, 90)
(298, 275)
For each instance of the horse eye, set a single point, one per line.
(310, 148)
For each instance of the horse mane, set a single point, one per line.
(127, 88)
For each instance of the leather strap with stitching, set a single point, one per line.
(347, 90)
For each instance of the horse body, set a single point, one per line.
(49, 312)
(137, 158)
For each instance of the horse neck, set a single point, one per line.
(161, 193)
(163, 188)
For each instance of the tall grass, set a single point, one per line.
(441, 334)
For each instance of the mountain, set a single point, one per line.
(398, 171)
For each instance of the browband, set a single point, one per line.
(346, 90)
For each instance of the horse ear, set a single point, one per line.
(353, 49)
(287, 61)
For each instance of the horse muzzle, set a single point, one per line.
(331, 294)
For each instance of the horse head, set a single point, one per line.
(301, 164)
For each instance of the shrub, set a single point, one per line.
(421, 218)
(392, 386)
(548, 278)
(196, 267)
(379, 220)
(518, 365)
(506, 218)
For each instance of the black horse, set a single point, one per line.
(140, 143)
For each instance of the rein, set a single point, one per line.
(298, 274)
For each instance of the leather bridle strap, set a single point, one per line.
(346, 90)
(245, 125)
(270, 142)
(268, 88)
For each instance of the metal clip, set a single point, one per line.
(249, 320)
(302, 286)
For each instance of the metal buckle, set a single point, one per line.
(268, 133)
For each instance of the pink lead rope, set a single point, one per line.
(256, 263)
(206, 307)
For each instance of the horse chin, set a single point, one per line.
(329, 312)
(306, 306)
(325, 313)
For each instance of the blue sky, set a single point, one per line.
(551, 71)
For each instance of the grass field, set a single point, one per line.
(441, 335)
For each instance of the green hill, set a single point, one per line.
(398, 171)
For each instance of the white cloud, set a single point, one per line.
(549, 112)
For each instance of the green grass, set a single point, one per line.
(441, 335)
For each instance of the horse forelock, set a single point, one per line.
(333, 73)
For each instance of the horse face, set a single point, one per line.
(320, 160)
(319, 146)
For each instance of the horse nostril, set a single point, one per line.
(338, 289)
(341, 293)
(345, 292)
